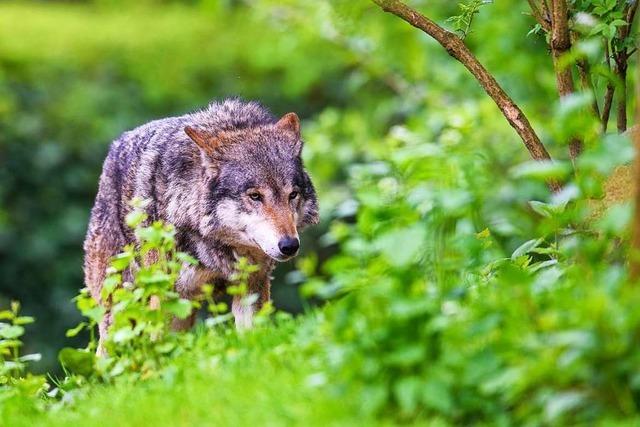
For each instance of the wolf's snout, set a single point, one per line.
(289, 245)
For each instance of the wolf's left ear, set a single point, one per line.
(290, 122)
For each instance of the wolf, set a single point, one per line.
(229, 177)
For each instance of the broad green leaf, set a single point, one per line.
(80, 362)
(180, 308)
(401, 246)
(525, 248)
(11, 331)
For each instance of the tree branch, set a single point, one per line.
(587, 83)
(630, 14)
(622, 62)
(621, 71)
(560, 45)
(540, 14)
(608, 102)
(458, 50)
(608, 96)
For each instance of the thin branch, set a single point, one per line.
(560, 45)
(608, 96)
(458, 50)
(621, 71)
(587, 84)
(541, 18)
(622, 63)
(608, 102)
(629, 13)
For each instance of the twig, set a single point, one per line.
(608, 96)
(537, 13)
(458, 50)
(587, 83)
(608, 102)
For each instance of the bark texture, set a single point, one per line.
(560, 45)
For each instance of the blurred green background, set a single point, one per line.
(76, 74)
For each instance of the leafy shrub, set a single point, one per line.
(140, 341)
(468, 300)
(15, 383)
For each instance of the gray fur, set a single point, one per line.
(202, 190)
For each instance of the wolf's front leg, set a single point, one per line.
(243, 309)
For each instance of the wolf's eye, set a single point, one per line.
(256, 197)
(293, 195)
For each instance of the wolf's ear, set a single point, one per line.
(203, 139)
(290, 122)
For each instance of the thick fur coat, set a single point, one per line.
(230, 178)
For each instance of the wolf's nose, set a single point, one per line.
(289, 245)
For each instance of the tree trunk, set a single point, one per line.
(622, 96)
(560, 45)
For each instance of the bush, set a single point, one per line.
(460, 297)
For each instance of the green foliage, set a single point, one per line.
(140, 341)
(16, 385)
(462, 23)
(267, 376)
(459, 290)
(476, 296)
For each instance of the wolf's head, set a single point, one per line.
(259, 192)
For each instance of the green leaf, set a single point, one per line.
(35, 357)
(526, 247)
(11, 331)
(165, 348)
(23, 320)
(547, 210)
(135, 217)
(75, 331)
(436, 395)
(180, 308)
(541, 170)
(186, 258)
(407, 393)
(401, 246)
(79, 362)
(123, 335)
(96, 313)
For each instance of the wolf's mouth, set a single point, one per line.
(278, 258)
(282, 258)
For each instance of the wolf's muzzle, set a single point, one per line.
(289, 246)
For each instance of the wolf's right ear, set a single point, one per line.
(208, 143)
(290, 122)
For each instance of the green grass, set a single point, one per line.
(264, 377)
